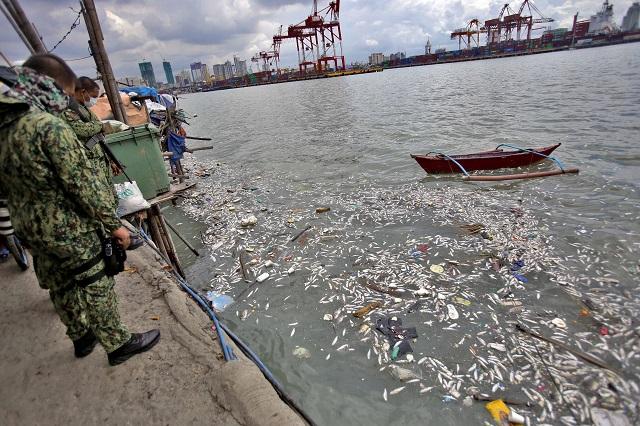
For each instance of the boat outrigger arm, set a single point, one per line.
(466, 174)
(561, 169)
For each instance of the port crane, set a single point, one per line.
(494, 27)
(469, 35)
(267, 58)
(510, 23)
(516, 22)
(318, 39)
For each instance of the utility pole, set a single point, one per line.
(23, 27)
(96, 44)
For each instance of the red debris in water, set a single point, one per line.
(423, 248)
(604, 331)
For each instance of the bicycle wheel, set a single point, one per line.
(18, 252)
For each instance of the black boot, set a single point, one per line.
(139, 342)
(84, 345)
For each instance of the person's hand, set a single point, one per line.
(122, 235)
(106, 128)
(115, 169)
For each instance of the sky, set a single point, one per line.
(212, 31)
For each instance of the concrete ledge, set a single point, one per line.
(239, 386)
(182, 380)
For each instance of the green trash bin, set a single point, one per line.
(138, 149)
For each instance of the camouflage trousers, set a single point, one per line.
(83, 306)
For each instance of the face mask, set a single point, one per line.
(91, 102)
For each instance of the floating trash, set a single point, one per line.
(301, 353)
(437, 269)
(219, 302)
(349, 260)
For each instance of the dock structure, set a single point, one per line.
(158, 228)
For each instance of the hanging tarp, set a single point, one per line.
(141, 91)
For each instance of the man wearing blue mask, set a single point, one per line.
(58, 207)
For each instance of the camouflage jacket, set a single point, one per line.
(85, 125)
(54, 198)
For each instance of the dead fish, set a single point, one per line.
(397, 390)
(452, 312)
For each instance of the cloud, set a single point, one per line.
(214, 31)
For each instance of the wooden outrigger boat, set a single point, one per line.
(439, 163)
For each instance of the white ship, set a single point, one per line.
(602, 22)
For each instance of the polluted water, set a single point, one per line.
(420, 299)
(405, 305)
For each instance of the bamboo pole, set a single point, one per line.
(168, 241)
(186, 243)
(519, 176)
(25, 26)
(104, 66)
(155, 232)
(16, 28)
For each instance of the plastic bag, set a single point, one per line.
(219, 302)
(130, 199)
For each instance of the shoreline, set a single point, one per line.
(181, 380)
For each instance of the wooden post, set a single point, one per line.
(16, 29)
(34, 41)
(155, 232)
(167, 240)
(96, 41)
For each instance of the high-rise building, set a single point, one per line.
(376, 58)
(184, 78)
(168, 72)
(631, 21)
(240, 66)
(228, 70)
(199, 72)
(146, 71)
(218, 71)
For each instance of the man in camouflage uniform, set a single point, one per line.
(88, 128)
(59, 209)
(90, 131)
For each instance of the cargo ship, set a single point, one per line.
(504, 36)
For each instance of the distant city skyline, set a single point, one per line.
(213, 32)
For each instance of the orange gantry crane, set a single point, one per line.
(267, 58)
(318, 40)
(469, 35)
(510, 24)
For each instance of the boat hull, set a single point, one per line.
(489, 160)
